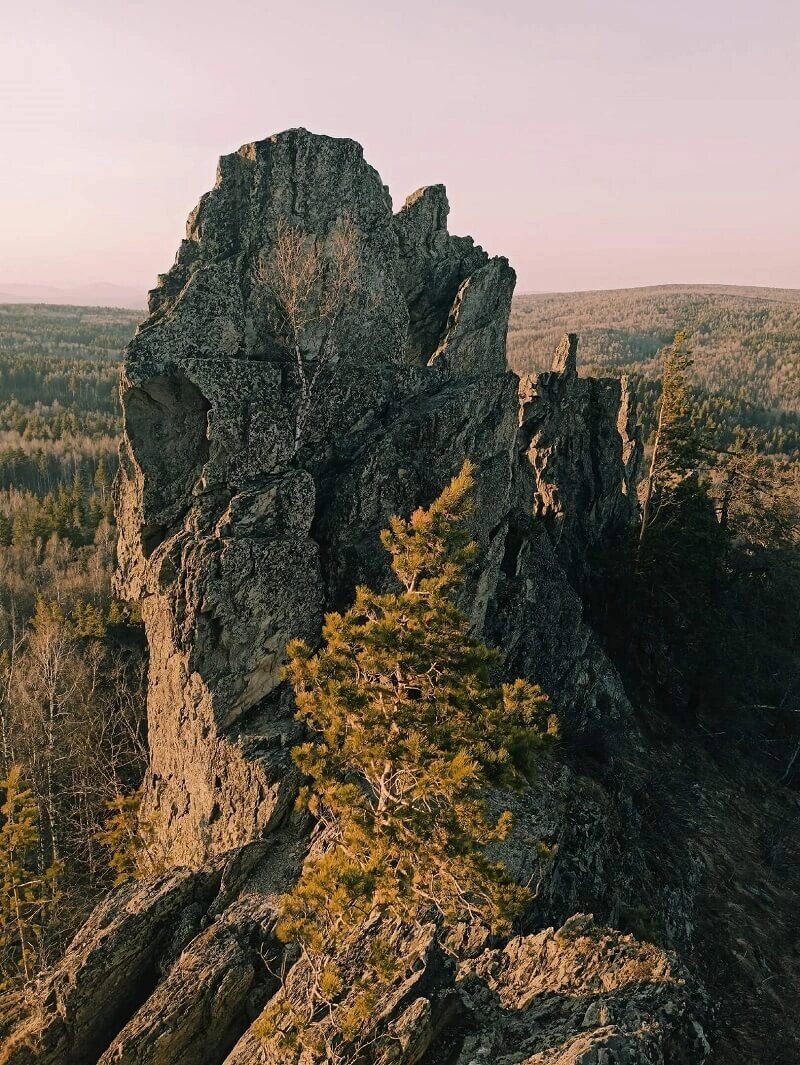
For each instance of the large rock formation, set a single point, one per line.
(235, 539)
(253, 486)
(234, 534)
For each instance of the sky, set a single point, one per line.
(596, 143)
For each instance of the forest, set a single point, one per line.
(73, 661)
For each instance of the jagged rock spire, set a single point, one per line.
(257, 468)
(565, 359)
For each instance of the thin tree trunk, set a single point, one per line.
(651, 476)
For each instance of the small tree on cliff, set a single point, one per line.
(675, 447)
(681, 543)
(310, 285)
(130, 839)
(409, 732)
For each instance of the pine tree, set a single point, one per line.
(408, 732)
(94, 513)
(681, 541)
(676, 445)
(130, 839)
(28, 896)
(87, 620)
(5, 530)
(101, 478)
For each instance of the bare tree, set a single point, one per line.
(73, 713)
(310, 283)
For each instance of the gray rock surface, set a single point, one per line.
(234, 543)
(581, 995)
(111, 965)
(241, 521)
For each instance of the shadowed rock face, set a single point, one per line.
(238, 531)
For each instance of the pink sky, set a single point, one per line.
(596, 144)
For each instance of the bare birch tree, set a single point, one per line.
(311, 284)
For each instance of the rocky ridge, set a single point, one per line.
(237, 533)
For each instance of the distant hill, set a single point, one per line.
(745, 341)
(101, 294)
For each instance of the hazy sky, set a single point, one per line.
(596, 143)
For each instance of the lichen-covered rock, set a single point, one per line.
(581, 995)
(432, 267)
(169, 969)
(203, 1005)
(237, 535)
(110, 967)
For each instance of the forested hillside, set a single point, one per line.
(59, 424)
(745, 344)
(71, 658)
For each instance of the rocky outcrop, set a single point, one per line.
(233, 537)
(235, 540)
(582, 442)
(257, 469)
(112, 965)
(581, 995)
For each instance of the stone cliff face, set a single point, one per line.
(235, 539)
(250, 499)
